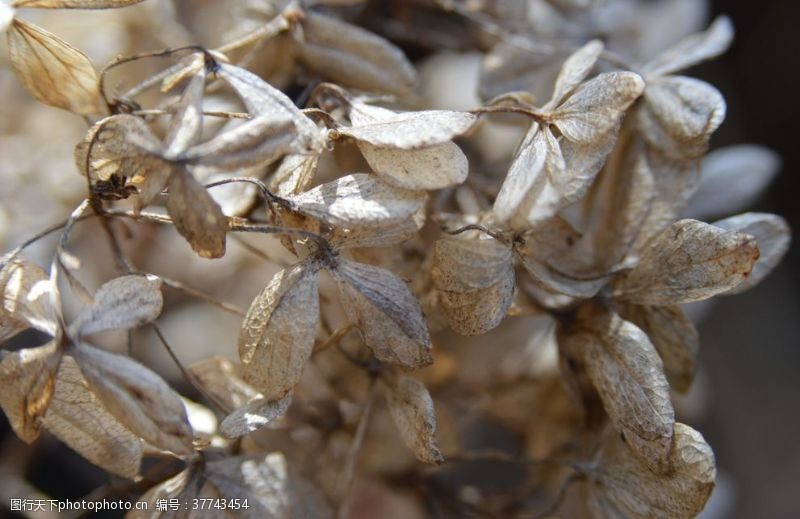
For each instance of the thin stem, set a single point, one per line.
(272, 28)
(178, 285)
(334, 338)
(348, 471)
(476, 227)
(212, 113)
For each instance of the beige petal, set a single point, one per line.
(435, 167)
(124, 302)
(386, 313)
(693, 49)
(294, 175)
(689, 261)
(574, 70)
(222, 380)
(379, 235)
(253, 416)
(277, 334)
(623, 487)
(28, 300)
(77, 418)
(137, 398)
(196, 216)
(412, 410)
(357, 200)
(186, 125)
(773, 236)
(526, 172)
(53, 71)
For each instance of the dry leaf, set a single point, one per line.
(53, 71)
(78, 419)
(773, 237)
(623, 487)
(122, 303)
(277, 334)
(137, 398)
(475, 280)
(412, 410)
(386, 313)
(689, 261)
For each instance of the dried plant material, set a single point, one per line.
(196, 216)
(28, 378)
(253, 416)
(379, 235)
(264, 483)
(78, 419)
(547, 174)
(137, 397)
(733, 178)
(674, 337)
(772, 236)
(352, 56)
(693, 50)
(122, 303)
(628, 375)
(27, 300)
(689, 261)
(294, 175)
(624, 487)
(405, 130)
(386, 313)
(411, 408)
(358, 200)
(53, 71)
(277, 335)
(74, 4)
(475, 281)
(222, 380)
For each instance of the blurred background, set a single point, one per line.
(747, 397)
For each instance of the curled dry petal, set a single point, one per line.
(693, 49)
(186, 125)
(27, 300)
(475, 281)
(623, 487)
(277, 334)
(386, 313)
(628, 375)
(773, 237)
(196, 215)
(78, 419)
(124, 302)
(574, 70)
(412, 410)
(137, 398)
(53, 71)
(675, 338)
(253, 416)
(357, 200)
(689, 261)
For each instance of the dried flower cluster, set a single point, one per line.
(401, 219)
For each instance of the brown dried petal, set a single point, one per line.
(53, 71)
(386, 313)
(277, 334)
(196, 216)
(435, 167)
(624, 487)
(773, 237)
(137, 398)
(78, 419)
(689, 261)
(124, 302)
(412, 410)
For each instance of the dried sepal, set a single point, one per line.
(294, 175)
(77, 418)
(27, 300)
(222, 381)
(628, 375)
(773, 237)
(575, 69)
(186, 125)
(53, 71)
(277, 334)
(28, 379)
(137, 397)
(197, 217)
(435, 167)
(675, 338)
(253, 416)
(693, 50)
(359, 200)
(411, 407)
(386, 313)
(621, 486)
(353, 56)
(124, 302)
(475, 281)
(379, 235)
(689, 261)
